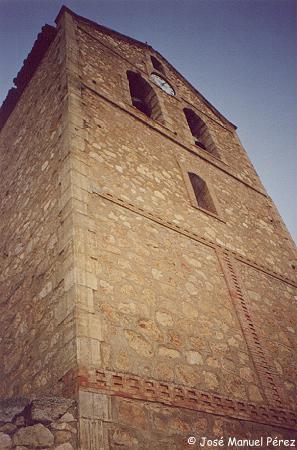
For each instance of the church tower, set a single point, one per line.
(145, 272)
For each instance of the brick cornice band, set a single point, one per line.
(170, 394)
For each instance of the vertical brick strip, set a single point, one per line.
(267, 376)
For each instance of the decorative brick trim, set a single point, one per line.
(267, 375)
(185, 232)
(170, 394)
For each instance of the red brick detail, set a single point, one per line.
(69, 383)
(135, 387)
(185, 232)
(267, 375)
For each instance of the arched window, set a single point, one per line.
(202, 194)
(157, 65)
(200, 132)
(144, 97)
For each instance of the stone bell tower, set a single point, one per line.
(145, 272)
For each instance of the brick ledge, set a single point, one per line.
(171, 394)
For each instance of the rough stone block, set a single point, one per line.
(94, 406)
(89, 325)
(48, 409)
(35, 436)
(5, 441)
(65, 446)
(88, 352)
(91, 435)
(12, 407)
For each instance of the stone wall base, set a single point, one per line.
(113, 422)
(108, 422)
(43, 423)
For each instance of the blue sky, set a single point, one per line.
(240, 54)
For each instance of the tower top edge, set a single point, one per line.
(42, 43)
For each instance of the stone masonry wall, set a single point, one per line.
(163, 311)
(101, 52)
(147, 169)
(159, 307)
(145, 166)
(43, 423)
(114, 287)
(274, 308)
(140, 425)
(37, 330)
